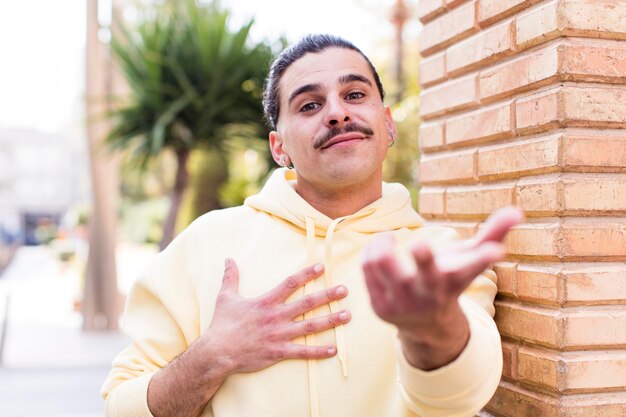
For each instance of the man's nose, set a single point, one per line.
(337, 112)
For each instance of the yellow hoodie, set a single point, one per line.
(274, 234)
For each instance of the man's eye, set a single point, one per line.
(309, 107)
(355, 95)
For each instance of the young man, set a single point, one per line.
(323, 295)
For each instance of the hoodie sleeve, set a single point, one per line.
(464, 386)
(161, 325)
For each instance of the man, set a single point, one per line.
(387, 318)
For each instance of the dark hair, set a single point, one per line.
(308, 44)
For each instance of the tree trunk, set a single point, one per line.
(101, 303)
(212, 174)
(182, 178)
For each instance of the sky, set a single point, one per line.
(42, 48)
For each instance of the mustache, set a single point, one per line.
(336, 131)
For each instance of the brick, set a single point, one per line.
(540, 284)
(537, 26)
(595, 107)
(431, 135)
(595, 152)
(507, 280)
(596, 404)
(574, 106)
(431, 201)
(594, 327)
(452, 95)
(572, 372)
(594, 18)
(572, 284)
(538, 240)
(477, 201)
(509, 356)
(514, 159)
(580, 18)
(540, 367)
(572, 194)
(594, 239)
(594, 371)
(523, 73)
(539, 112)
(449, 28)
(455, 167)
(540, 196)
(604, 193)
(572, 329)
(593, 61)
(433, 69)
(575, 239)
(490, 11)
(481, 49)
(595, 283)
(532, 324)
(429, 9)
(490, 123)
(513, 400)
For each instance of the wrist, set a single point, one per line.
(214, 361)
(437, 343)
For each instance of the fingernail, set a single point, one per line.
(343, 316)
(341, 291)
(226, 263)
(331, 351)
(318, 268)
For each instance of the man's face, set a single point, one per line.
(332, 122)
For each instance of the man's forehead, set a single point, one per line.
(324, 67)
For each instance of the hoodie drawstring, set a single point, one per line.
(334, 305)
(309, 339)
(342, 353)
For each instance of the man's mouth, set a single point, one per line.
(351, 131)
(346, 137)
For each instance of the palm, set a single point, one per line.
(418, 299)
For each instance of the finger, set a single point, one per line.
(498, 225)
(315, 300)
(427, 270)
(230, 280)
(319, 324)
(388, 265)
(295, 351)
(293, 282)
(462, 270)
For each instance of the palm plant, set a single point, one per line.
(190, 75)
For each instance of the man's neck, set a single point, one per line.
(340, 201)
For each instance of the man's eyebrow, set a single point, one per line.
(348, 78)
(304, 89)
(344, 79)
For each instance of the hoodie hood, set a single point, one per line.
(279, 198)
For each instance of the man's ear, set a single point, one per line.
(276, 147)
(392, 130)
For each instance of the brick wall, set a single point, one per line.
(523, 103)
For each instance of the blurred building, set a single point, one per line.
(42, 176)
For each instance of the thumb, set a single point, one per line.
(230, 280)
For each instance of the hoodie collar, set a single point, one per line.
(279, 198)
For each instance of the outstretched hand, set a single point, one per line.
(423, 304)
